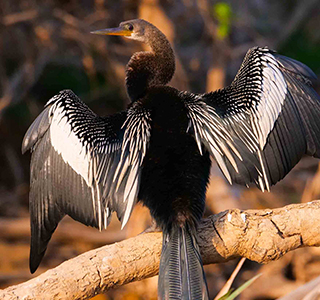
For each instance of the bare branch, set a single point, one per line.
(260, 235)
(20, 17)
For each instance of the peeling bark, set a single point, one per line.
(259, 235)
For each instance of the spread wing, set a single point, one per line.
(82, 165)
(260, 126)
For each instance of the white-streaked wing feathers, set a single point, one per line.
(82, 165)
(134, 147)
(64, 140)
(107, 164)
(207, 130)
(245, 126)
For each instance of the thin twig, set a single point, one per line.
(20, 17)
(227, 286)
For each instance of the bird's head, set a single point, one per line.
(145, 68)
(137, 29)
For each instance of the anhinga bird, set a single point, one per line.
(158, 150)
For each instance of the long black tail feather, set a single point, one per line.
(181, 274)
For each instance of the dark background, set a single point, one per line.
(45, 46)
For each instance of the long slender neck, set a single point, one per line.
(155, 67)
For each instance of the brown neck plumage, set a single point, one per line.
(150, 68)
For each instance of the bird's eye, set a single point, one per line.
(129, 27)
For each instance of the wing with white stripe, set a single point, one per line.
(259, 127)
(82, 165)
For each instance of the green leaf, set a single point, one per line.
(225, 296)
(222, 12)
(223, 31)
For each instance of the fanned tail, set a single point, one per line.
(181, 274)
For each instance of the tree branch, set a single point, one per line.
(259, 235)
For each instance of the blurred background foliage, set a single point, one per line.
(46, 46)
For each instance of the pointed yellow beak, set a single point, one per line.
(113, 31)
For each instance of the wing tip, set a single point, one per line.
(36, 130)
(25, 145)
(33, 267)
(296, 66)
(34, 260)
